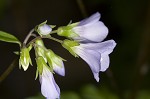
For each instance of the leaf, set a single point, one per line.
(6, 37)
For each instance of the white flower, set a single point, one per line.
(95, 54)
(49, 88)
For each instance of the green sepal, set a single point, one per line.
(6, 37)
(67, 31)
(52, 58)
(16, 52)
(69, 23)
(30, 47)
(69, 44)
(25, 59)
(36, 28)
(52, 26)
(40, 65)
(40, 49)
(37, 73)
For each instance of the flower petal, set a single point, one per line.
(49, 88)
(107, 46)
(93, 18)
(95, 32)
(59, 69)
(103, 47)
(45, 29)
(91, 57)
(104, 62)
(96, 76)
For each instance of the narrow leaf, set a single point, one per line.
(6, 37)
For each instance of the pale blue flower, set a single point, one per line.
(87, 30)
(91, 29)
(49, 88)
(96, 55)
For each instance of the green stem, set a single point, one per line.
(48, 37)
(8, 70)
(28, 36)
(54, 39)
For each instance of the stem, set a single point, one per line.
(49, 37)
(28, 36)
(54, 39)
(8, 70)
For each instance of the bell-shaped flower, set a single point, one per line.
(96, 55)
(44, 29)
(25, 59)
(56, 62)
(87, 30)
(49, 88)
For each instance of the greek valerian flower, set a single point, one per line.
(96, 55)
(87, 30)
(49, 88)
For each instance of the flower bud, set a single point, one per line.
(40, 65)
(44, 29)
(39, 50)
(24, 58)
(56, 62)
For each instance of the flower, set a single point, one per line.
(25, 59)
(56, 62)
(96, 55)
(49, 88)
(44, 29)
(87, 30)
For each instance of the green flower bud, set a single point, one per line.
(69, 44)
(56, 62)
(40, 64)
(53, 59)
(40, 49)
(24, 58)
(67, 31)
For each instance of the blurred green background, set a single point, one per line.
(129, 25)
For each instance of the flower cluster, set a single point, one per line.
(83, 39)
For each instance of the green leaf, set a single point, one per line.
(6, 37)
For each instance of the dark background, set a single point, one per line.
(129, 25)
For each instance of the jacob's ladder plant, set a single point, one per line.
(82, 39)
